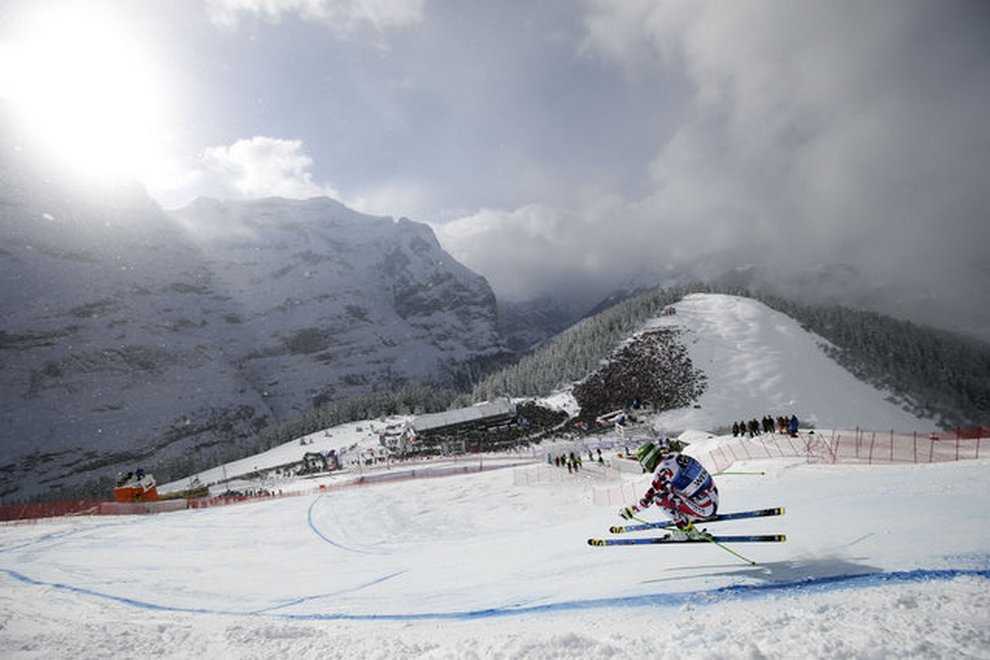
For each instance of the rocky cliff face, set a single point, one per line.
(129, 334)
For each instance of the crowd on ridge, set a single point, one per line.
(768, 424)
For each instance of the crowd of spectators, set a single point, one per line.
(769, 424)
(572, 460)
(654, 368)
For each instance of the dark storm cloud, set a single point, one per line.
(815, 133)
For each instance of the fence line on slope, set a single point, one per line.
(30, 513)
(855, 447)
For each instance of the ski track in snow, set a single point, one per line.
(312, 525)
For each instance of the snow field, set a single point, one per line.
(475, 566)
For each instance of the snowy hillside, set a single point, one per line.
(759, 361)
(131, 335)
(474, 566)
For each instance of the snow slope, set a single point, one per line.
(759, 361)
(349, 440)
(880, 561)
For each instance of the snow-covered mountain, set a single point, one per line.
(129, 334)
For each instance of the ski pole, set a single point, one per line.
(718, 474)
(731, 551)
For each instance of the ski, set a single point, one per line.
(761, 513)
(756, 538)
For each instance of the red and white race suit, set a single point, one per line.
(683, 488)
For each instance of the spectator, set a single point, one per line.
(792, 426)
(735, 429)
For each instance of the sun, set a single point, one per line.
(85, 90)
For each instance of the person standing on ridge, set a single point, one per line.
(681, 486)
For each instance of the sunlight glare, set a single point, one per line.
(86, 91)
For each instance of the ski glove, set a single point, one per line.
(627, 512)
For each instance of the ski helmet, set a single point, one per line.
(649, 455)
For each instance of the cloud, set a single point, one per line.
(537, 249)
(265, 167)
(846, 127)
(811, 133)
(344, 17)
(247, 169)
(396, 199)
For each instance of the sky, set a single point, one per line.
(554, 146)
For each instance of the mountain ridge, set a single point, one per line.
(133, 334)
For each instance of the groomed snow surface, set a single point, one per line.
(880, 561)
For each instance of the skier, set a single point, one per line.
(681, 487)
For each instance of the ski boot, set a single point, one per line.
(686, 532)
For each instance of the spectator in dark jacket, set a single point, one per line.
(792, 426)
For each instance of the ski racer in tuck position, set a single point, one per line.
(681, 487)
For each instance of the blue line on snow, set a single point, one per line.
(312, 526)
(699, 598)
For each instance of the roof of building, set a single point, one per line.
(483, 411)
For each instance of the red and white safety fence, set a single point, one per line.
(37, 511)
(832, 447)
